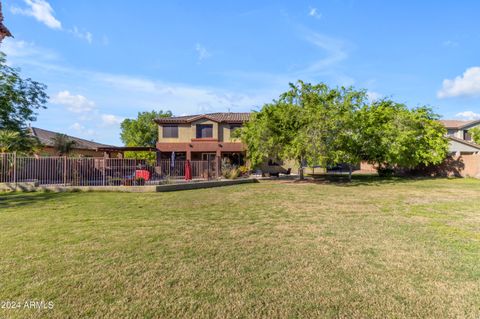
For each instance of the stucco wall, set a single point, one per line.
(226, 133)
(187, 132)
(471, 166)
(184, 134)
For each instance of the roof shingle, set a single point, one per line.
(458, 124)
(216, 117)
(46, 137)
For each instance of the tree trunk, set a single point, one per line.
(302, 177)
(349, 172)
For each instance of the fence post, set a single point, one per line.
(64, 170)
(15, 169)
(103, 171)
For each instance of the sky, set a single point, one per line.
(105, 61)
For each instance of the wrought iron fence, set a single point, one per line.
(87, 171)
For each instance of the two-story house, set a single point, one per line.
(460, 139)
(201, 137)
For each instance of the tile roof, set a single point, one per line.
(46, 138)
(457, 123)
(216, 117)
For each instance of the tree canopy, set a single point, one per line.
(475, 133)
(142, 131)
(395, 136)
(319, 125)
(63, 144)
(19, 98)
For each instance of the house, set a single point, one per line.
(208, 137)
(201, 137)
(460, 139)
(81, 147)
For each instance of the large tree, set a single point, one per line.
(142, 131)
(19, 98)
(394, 136)
(19, 101)
(312, 124)
(318, 125)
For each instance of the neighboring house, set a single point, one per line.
(459, 137)
(206, 137)
(81, 147)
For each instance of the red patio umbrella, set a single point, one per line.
(188, 171)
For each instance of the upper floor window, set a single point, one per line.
(451, 132)
(170, 131)
(204, 130)
(233, 127)
(467, 136)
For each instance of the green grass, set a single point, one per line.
(392, 248)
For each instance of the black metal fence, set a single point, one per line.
(86, 171)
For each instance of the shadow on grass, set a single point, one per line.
(361, 180)
(17, 199)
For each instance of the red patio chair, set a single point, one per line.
(141, 173)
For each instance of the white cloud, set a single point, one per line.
(110, 119)
(41, 10)
(77, 126)
(373, 96)
(80, 129)
(468, 84)
(468, 115)
(202, 52)
(74, 103)
(314, 13)
(335, 51)
(21, 49)
(87, 36)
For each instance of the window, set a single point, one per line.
(170, 131)
(204, 130)
(467, 136)
(234, 130)
(451, 132)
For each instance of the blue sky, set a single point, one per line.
(104, 61)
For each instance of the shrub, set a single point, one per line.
(244, 170)
(385, 171)
(234, 173)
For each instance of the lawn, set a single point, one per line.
(396, 248)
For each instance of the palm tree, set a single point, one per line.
(9, 141)
(63, 144)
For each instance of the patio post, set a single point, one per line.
(217, 163)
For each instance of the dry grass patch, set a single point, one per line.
(373, 248)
